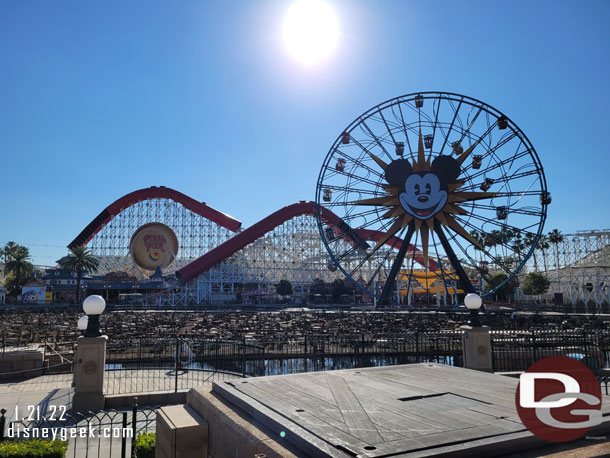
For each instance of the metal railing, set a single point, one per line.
(150, 365)
(174, 364)
(327, 352)
(145, 365)
(517, 350)
(103, 434)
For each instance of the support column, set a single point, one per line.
(476, 347)
(89, 364)
(389, 283)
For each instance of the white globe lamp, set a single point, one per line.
(473, 303)
(93, 306)
(81, 325)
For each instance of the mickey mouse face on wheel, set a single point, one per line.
(423, 194)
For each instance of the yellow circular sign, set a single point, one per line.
(153, 245)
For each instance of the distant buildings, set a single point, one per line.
(34, 291)
(62, 284)
(113, 286)
(58, 286)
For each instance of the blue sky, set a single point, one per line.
(101, 98)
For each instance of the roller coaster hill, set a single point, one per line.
(160, 247)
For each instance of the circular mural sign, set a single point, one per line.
(153, 245)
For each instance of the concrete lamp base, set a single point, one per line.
(476, 344)
(89, 364)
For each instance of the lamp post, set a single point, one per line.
(473, 303)
(90, 358)
(476, 341)
(93, 306)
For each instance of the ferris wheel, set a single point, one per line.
(431, 193)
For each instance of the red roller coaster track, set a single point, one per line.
(154, 192)
(237, 242)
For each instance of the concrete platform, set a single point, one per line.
(409, 411)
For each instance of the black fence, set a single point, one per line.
(174, 364)
(106, 434)
(146, 365)
(149, 365)
(171, 364)
(326, 352)
(517, 350)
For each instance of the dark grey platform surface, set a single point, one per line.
(410, 410)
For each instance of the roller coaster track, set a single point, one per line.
(258, 230)
(241, 239)
(154, 192)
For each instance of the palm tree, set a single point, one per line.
(513, 240)
(507, 234)
(530, 239)
(18, 264)
(479, 238)
(8, 251)
(497, 238)
(518, 246)
(79, 260)
(11, 249)
(556, 237)
(543, 245)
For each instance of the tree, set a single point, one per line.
(496, 238)
(530, 240)
(20, 266)
(79, 260)
(319, 287)
(9, 250)
(505, 290)
(10, 283)
(506, 235)
(518, 245)
(555, 238)
(338, 289)
(543, 245)
(283, 288)
(17, 262)
(535, 284)
(480, 239)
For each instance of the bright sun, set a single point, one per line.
(310, 30)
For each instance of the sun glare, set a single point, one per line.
(310, 31)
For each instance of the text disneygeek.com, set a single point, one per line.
(64, 433)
